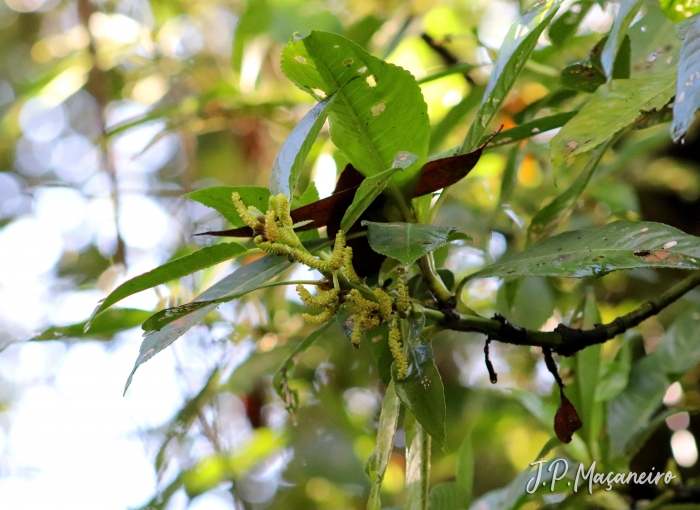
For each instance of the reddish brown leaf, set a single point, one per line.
(566, 421)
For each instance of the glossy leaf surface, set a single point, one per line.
(597, 251)
(406, 242)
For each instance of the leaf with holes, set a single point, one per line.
(181, 319)
(219, 198)
(406, 242)
(612, 107)
(201, 259)
(379, 109)
(598, 251)
(688, 87)
(288, 163)
(514, 53)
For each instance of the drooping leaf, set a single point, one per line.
(588, 75)
(564, 27)
(688, 87)
(422, 392)
(553, 214)
(625, 16)
(597, 251)
(379, 110)
(370, 189)
(384, 446)
(103, 327)
(248, 276)
(219, 198)
(406, 242)
(280, 381)
(288, 163)
(679, 10)
(514, 53)
(440, 173)
(566, 421)
(201, 259)
(612, 107)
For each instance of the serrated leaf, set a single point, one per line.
(625, 16)
(611, 108)
(558, 210)
(679, 10)
(597, 251)
(514, 53)
(406, 242)
(103, 327)
(201, 259)
(379, 110)
(219, 198)
(286, 370)
(384, 446)
(688, 86)
(249, 275)
(288, 163)
(422, 392)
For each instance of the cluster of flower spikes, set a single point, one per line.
(275, 234)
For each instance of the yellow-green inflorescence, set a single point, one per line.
(275, 234)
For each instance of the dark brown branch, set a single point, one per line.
(563, 340)
(446, 55)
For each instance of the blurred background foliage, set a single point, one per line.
(110, 111)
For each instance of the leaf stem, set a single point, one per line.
(563, 340)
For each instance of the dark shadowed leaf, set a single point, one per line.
(406, 242)
(288, 163)
(379, 110)
(183, 318)
(566, 421)
(612, 107)
(688, 87)
(625, 16)
(201, 259)
(219, 198)
(597, 251)
(553, 214)
(588, 75)
(514, 53)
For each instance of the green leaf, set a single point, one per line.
(379, 109)
(465, 467)
(613, 107)
(631, 412)
(422, 392)
(103, 327)
(679, 10)
(288, 163)
(201, 259)
(588, 75)
(564, 27)
(625, 16)
(417, 464)
(614, 375)
(597, 251)
(384, 446)
(514, 53)
(372, 187)
(219, 198)
(286, 370)
(244, 277)
(244, 280)
(553, 214)
(688, 87)
(448, 496)
(406, 242)
(530, 129)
